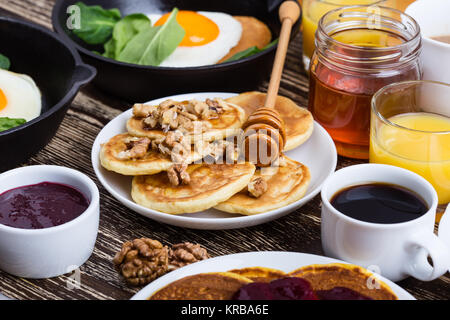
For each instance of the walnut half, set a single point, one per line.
(257, 187)
(182, 254)
(142, 260)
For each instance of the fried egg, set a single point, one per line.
(209, 37)
(19, 96)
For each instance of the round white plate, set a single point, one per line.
(284, 261)
(318, 153)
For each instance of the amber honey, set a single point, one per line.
(349, 65)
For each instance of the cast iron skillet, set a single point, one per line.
(141, 83)
(59, 73)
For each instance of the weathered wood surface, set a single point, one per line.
(71, 147)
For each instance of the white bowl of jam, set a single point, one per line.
(49, 218)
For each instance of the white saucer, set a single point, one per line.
(318, 153)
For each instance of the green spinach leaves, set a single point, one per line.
(154, 44)
(4, 62)
(131, 39)
(8, 123)
(123, 31)
(250, 51)
(96, 23)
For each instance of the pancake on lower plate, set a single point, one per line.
(204, 286)
(260, 274)
(285, 184)
(228, 124)
(299, 121)
(254, 33)
(329, 276)
(210, 184)
(152, 163)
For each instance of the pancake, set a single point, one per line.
(152, 163)
(254, 33)
(228, 124)
(260, 274)
(329, 276)
(299, 121)
(210, 184)
(285, 185)
(204, 286)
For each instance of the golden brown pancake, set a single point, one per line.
(210, 184)
(299, 121)
(153, 162)
(228, 124)
(260, 274)
(329, 276)
(254, 33)
(204, 286)
(285, 184)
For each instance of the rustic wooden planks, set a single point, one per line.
(90, 111)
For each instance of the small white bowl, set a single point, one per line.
(49, 252)
(432, 17)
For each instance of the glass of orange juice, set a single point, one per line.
(410, 128)
(313, 10)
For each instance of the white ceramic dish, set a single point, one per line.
(284, 261)
(432, 17)
(318, 153)
(49, 252)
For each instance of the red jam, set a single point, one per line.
(293, 288)
(41, 205)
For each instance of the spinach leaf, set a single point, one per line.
(96, 23)
(124, 31)
(4, 62)
(8, 123)
(154, 44)
(250, 51)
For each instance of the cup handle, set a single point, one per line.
(421, 246)
(444, 229)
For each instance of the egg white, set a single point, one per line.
(22, 95)
(230, 31)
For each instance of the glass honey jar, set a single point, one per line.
(359, 49)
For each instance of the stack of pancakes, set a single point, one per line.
(215, 185)
(224, 285)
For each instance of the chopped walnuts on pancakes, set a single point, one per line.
(257, 187)
(171, 115)
(136, 148)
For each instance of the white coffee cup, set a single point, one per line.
(433, 19)
(396, 250)
(49, 252)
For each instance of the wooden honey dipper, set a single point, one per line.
(264, 131)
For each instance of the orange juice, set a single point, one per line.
(424, 150)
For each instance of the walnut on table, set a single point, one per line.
(182, 254)
(142, 260)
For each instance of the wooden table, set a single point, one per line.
(71, 147)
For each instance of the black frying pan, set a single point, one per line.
(58, 72)
(140, 83)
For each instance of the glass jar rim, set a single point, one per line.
(321, 31)
(393, 85)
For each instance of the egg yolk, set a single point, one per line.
(3, 100)
(200, 30)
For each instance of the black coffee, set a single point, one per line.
(379, 203)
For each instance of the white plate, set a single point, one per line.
(284, 261)
(318, 153)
